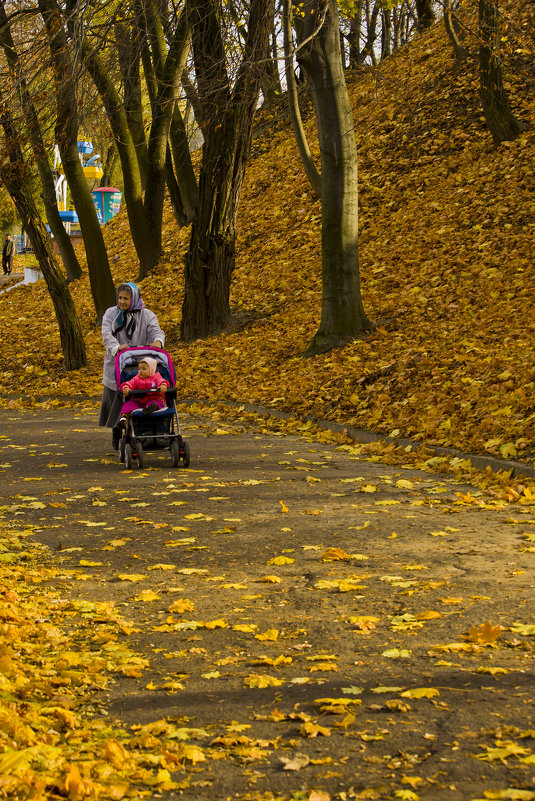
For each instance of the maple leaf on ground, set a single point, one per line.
(335, 555)
(310, 729)
(484, 634)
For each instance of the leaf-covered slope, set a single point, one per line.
(447, 224)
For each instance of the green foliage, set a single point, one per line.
(349, 7)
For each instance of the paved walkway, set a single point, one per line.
(276, 572)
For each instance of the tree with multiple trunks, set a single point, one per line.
(66, 134)
(30, 119)
(228, 77)
(228, 109)
(16, 177)
(145, 166)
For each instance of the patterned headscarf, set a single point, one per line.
(127, 320)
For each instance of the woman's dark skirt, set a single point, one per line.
(110, 408)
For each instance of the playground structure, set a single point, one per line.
(107, 199)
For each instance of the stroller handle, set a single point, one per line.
(140, 393)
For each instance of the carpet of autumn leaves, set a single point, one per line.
(447, 223)
(51, 664)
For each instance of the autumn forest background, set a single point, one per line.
(446, 228)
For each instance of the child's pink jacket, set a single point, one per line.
(152, 382)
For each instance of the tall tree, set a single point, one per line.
(425, 13)
(293, 102)
(168, 64)
(102, 287)
(14, 173)
(342, 310)
(453, 30)
(146, 165)
(228, 113)
(31, 121)
(501, 121)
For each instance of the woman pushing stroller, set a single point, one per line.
(128, 324)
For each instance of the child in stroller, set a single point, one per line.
(148, 379)
(150, 417)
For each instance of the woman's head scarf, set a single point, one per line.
(127, 319)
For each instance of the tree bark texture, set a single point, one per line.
(102, 288)
(168, 66)
(185, 175)
(293, 102)
(501, 121)
(425, 13)
(452, 29)
(70, 261)
(371, 35)
(228, 115)
(355, 31)
(13, 173)
(129, 54)
(342, 311)
(146, 251)
(386, 33)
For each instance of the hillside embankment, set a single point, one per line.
(447, 223)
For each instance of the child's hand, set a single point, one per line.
(126, 391)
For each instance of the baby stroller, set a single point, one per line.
(155, 431)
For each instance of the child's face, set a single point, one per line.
(143, 370)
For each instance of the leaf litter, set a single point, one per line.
(457, 384)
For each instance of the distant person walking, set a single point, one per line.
(7, 255)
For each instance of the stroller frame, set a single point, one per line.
(157, 430)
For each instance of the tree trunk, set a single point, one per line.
(228, 117)
(192, 96)
(501, 121)
(355, 31)
(174, 190)
(386, 33)
(13, 174)
(425, 13)
(109, 163)
(167, 75)
(70, 262)
(270, 81)
(128, 50)
(342, 311)
(146, 252)
(185, 175)
(371, 35)
(451, 25)
(102, 288)
(293, 103)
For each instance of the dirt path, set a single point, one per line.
(276, 572)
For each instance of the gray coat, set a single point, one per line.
(147, 331)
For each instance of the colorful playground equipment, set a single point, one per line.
(107, 199)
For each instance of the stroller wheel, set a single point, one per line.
(139, 451)
(175, 453)
(185, 454)
(121, 450)
(128, 456)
